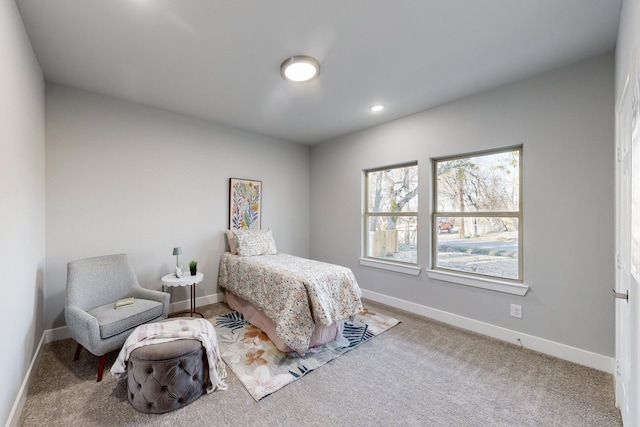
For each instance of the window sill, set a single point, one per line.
(390, 266)
(476, 282)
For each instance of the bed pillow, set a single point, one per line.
(255, 242)
(231, 238)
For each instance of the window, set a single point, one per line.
(477, 218)
(391, 214)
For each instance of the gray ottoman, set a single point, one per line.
(167, 376)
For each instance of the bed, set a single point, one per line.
(299, 303)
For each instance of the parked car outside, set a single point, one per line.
(444, 224)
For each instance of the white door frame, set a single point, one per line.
(627, 384)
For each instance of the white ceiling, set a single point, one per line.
(220, 59)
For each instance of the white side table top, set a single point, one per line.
(186, 280)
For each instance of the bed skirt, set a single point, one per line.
(252, 314)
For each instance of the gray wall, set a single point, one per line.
(126, 178)
(22, 210)
(565, 121)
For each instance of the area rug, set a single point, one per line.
(263, 369)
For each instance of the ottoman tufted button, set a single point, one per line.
(172, 372)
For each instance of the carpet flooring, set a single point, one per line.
(263, 369)
(419, 373)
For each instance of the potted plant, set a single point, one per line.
(193, 266)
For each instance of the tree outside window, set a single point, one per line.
(391, 214)
(477, 214)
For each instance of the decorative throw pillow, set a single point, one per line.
(255, 242)
(231, 238)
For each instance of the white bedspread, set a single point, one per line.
(171, 330)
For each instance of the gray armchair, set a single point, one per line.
(93, 287)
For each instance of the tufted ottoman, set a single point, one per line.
(166, 376)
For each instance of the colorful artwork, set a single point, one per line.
(245, 201)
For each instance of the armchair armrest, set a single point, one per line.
(83, 327)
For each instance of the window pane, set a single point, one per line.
(480, 245)
(393, 190)
(393, 238)
(482, 183)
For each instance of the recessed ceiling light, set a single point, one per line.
(377, 107)
(300, 68)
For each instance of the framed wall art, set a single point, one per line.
(245, 204)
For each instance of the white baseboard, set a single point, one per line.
(542, 345)
(200, 301)
(18, 404)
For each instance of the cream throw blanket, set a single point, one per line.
(171, 330)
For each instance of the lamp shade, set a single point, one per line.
(177, 251)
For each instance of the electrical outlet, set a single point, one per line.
(516, 311)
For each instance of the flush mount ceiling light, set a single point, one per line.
(377, 107)
(300, 68)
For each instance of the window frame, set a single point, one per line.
(503, 284)
(378, 262)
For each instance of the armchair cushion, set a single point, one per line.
(93, 287)
(114, 321)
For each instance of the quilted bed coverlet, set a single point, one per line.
(296, 293)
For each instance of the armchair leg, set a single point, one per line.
(101, 362)
(103, 359)
(77, 356)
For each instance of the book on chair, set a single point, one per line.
(125, 302)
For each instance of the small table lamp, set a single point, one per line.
(177, 252)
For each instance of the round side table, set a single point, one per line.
(171, 280)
